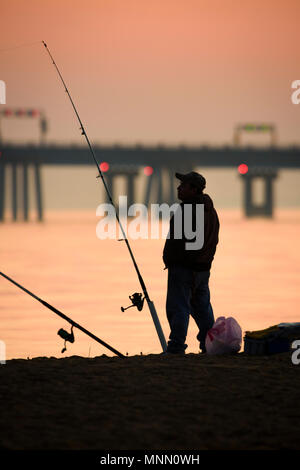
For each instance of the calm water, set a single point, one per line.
(255, 278)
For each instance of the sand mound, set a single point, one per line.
(150, 402)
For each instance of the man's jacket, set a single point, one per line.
(175, 252)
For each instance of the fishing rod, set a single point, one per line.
(135, 298)
(63, 333)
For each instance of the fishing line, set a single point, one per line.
(146, 296)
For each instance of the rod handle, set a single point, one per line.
(157, 325)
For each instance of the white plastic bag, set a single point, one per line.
(225, 337)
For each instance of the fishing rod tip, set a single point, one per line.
(44, 43)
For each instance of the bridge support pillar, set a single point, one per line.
(15, 191)
(148, 190)
(129, 172)
(2, 191)
(109, 183)
(159, 185)
(155, 178)
(38, 187)
(130, 189)
(172, 198)
(14, 195)
(25, 191)
(266, 208)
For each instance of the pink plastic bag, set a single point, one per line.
(225, 337)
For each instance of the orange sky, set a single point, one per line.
(153, 71)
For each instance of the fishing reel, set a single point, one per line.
(66, 336)
(136, 300)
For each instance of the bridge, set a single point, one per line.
(264, 163)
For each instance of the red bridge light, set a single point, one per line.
(243, 169)
(148, 170)
(104, 166)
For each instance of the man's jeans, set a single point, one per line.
(188, 293)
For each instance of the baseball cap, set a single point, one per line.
(193, 178)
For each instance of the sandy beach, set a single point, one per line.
(150, 402)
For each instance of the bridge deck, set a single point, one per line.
(155, 156)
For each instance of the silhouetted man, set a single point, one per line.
(189, 269)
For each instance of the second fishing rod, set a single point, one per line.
(135, 298)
